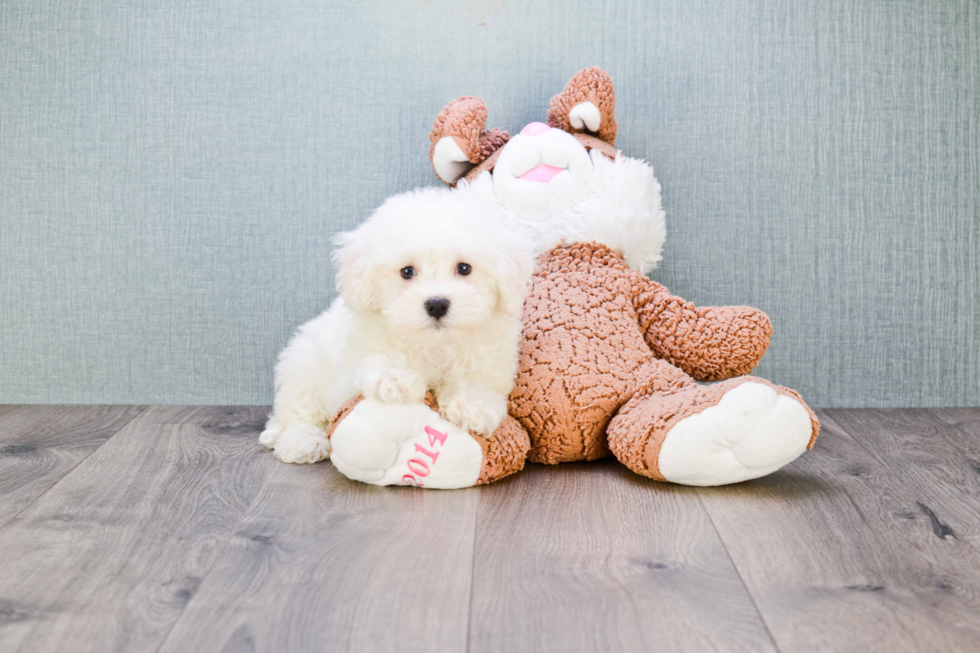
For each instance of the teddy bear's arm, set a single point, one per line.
(711, 343)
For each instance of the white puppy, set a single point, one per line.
(432, 287)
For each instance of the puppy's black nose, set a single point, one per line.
(437, 306)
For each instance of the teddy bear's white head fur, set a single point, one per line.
(615, 202)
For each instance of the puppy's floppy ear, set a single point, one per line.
(353, 265)
(514, 266)
(587, 105)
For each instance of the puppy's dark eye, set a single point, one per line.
(463, 269)
(408, 272)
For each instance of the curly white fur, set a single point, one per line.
(378, 340)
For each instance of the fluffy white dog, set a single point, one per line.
(432, 287)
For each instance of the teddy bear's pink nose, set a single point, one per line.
(535, 128)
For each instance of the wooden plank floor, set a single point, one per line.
(171, 529)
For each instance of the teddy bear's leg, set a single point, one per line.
(717, 434)
(412, 444)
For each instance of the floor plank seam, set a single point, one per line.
(14, 517)
(469, 611)
(220, 555)
(738, 572)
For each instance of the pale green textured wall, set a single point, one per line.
(171, 174)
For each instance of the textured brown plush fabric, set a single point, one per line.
(503, 454)
(464, 120)
(710, 343)
(591, 327)
(581, 355)
(491, 141)
(589, 85)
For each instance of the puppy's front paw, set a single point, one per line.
(394, 385)
(401, 386)
(475, 409)
(302, 443)
(270, 436)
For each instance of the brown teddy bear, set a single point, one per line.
(610, 361)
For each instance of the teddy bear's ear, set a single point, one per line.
(587, 105)
(459, 141)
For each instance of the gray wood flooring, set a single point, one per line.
(129, 528)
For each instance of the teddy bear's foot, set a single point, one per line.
(411, 444)
(404, 444)
(751, 432)
(713, 435)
